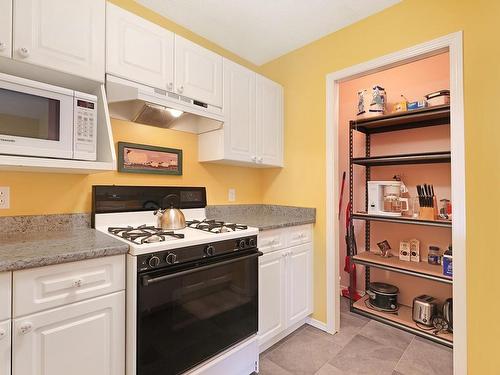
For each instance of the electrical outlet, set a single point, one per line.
(4, 197)
(231, 195)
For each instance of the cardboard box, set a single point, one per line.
(415, 250)
(404, 251)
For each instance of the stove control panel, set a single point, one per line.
(168, 258)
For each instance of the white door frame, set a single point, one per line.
(453, 44)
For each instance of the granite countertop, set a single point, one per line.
(262, 216)
(53, 245)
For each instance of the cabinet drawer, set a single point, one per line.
(5, 350)
(299, 235)
(5, 295)
(271, 240)
(47, 287)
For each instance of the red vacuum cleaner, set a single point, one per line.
(350, 240)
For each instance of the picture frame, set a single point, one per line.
(138, 158)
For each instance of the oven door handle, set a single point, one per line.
(147, 280)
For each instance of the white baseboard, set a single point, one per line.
(317, 324)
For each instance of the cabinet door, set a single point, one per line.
(5, 295)
(271, 295)
(5, 348)
(64, 35)
(6, 28)
(269, 105)
(78, 339)
(198, 72)
(239, 111)
(138, 50)
(299, 293)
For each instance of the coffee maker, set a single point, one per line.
(384, 198)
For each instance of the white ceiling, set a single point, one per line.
(262, 30)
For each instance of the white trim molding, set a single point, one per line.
(317, 324)
(453, 44)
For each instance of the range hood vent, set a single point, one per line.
(131, 101)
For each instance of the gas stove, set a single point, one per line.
(203, 278)
(127, 213)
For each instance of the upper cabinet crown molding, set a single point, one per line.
(63, 35)
(198, 72)
(6, 28)
(139, 50)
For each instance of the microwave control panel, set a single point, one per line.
(85, 130)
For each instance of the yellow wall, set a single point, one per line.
(302, 182)
(41, 193)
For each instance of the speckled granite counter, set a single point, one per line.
(36, 241)
(263, 216)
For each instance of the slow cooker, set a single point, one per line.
(383, 296)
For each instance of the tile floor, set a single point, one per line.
(362, 346)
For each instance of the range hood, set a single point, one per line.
(132, 101)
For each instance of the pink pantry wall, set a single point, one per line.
(413, 80)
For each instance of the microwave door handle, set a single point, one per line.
(147, 280)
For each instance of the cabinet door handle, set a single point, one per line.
(260, 159)
(170, 86)
(77, 283)
(2, 46)
(254, 158)
(180, 90)
(3, 333)
(26, 328)
(24, 52)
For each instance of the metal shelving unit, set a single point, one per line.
(433, 116)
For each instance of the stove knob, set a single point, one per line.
(242, 244)
(170, 258)
(251, 242)
(154, 261)
(209, 250)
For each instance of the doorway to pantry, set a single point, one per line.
(359, 147)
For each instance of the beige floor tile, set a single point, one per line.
(328, 369)
(365, 356)
(304, 354)
(268, 367)
(424, 357)
(387, 335)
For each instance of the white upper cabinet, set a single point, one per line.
(239, 110)
(253, 131)
(139, 50)
(198, 72)
(6, 28)
(269, 129)
(64, 35)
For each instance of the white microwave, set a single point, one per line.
(41, 120)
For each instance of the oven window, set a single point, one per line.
(185, 320)
(29, 116)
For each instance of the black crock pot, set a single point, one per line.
(383, 296)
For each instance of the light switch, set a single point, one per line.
(4, 197)
(231, 195)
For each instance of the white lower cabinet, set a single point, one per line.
(285, 289)
(299, 283)
(5, 349)
(272, 283)
(79, 339)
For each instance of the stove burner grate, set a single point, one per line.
(143, 234)
(215, 226)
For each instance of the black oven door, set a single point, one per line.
(189, 313)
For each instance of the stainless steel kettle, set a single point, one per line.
(170, 218)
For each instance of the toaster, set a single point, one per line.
(424, 309)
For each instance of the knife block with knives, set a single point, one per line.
(428, 202)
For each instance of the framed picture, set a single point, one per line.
(135, 158)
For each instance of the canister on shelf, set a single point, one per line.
(414, 250)
(404, 250)
(448, 262)
(434, 257)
